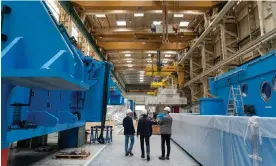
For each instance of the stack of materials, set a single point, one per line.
(166, 96)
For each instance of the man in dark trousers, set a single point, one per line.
(144, 129)
(166, 131)
(129, 132)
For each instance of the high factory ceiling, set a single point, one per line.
(123, 30)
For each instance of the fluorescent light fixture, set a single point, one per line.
(149, 61)
(121, 23)
(138, 14)
(157, 22)
(100, 15)
(157, 11)
(149, 54)
(168, 55)
(164, 61)
(184, 23)
(129, 61)
(127, 55)
(178, 15)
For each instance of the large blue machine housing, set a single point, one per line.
(215, 139)
(257, 81)
(48, 85)
(115, 95)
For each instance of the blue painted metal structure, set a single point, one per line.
(234, 140)
(69, 8)
(115, 95)
(211, 106)
(131, 105)
(47, 85)
(251, 77)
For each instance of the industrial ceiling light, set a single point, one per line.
(184, 23)
(129, 61)
(127, 55)
(178, 15)
(157, 22)
(149, 61)
(149, 54)
(121, 23)
(168, 55)
(157, 11)
(100, 15)
(164, 61)
(138, 14)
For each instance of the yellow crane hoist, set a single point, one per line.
(164, 68)
(152, 93)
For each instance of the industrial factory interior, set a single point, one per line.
(136, 83)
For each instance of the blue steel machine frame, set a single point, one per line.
(48, 85)
(215, 139)
(115, 96)
(257, 82)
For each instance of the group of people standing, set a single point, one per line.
(144, 130)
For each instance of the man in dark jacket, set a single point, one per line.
(144, 129)
(129, 132)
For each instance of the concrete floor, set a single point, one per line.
(113, 155)
(26, 157)
(107, 155)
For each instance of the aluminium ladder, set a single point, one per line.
(235, 102)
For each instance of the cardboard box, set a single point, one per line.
(155, 129)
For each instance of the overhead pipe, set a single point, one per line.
(69, 8)
(165, 21)
(261, 16)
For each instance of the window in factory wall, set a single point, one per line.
(274, 83)
(266, 91)
(139, 107)
(75, 32)
(53, 6)
(244, 90)
(88, 51)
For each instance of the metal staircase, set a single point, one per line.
(235, 102)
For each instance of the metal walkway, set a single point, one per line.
(113, 154)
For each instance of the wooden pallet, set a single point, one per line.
(77, 156)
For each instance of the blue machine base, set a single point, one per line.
(43, 78)
(17, 135)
